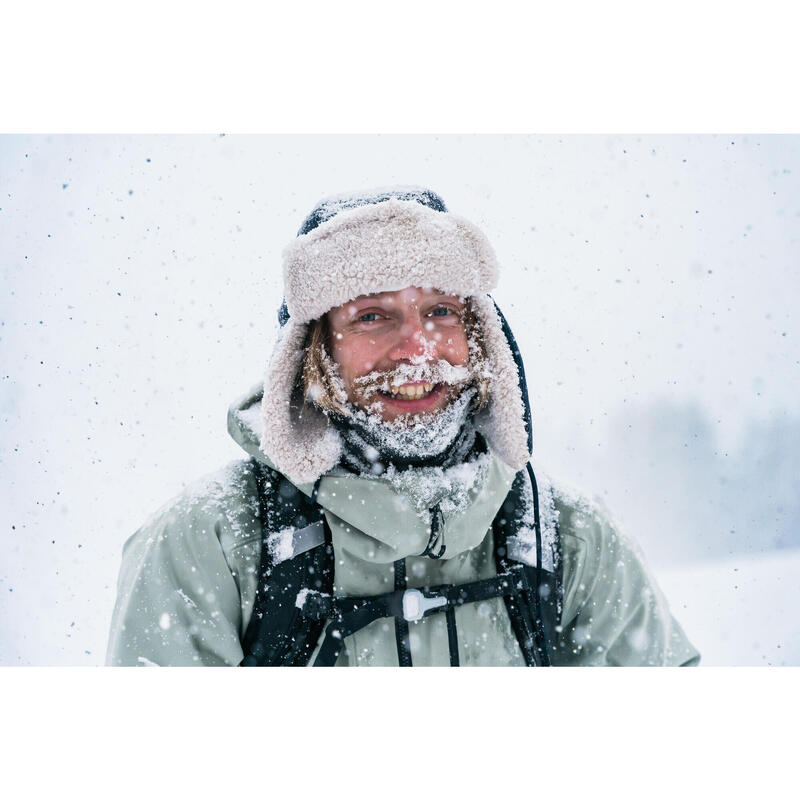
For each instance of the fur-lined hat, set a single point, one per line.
(385, 240)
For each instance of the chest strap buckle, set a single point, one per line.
(416, 605)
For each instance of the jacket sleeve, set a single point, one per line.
(613, 612)
(178, 603)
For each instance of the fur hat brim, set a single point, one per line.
(385, 247)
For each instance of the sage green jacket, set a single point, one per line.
(189, 574)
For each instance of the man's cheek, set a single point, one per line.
(360, 362)
(455, 349)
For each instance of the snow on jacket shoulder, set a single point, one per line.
(614, 614)
(189, 577)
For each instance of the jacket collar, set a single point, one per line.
(384, 522)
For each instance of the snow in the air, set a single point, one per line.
(651, 283)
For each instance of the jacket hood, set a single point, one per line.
(377, 521)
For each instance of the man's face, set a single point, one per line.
(398, 334)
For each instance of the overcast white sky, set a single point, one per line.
(140, 278)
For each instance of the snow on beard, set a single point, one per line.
(423, 434)
(420, 368)
(417, 436)
(433, 372)
(420, 435)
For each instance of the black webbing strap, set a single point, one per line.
(452, 634)
(400, 623)
(540, 637)
(525, 611)
(349, 615)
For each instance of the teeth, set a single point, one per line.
(412, 392)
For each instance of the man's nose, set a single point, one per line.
(411, 344)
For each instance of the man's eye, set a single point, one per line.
(370, 316)
(441, 311)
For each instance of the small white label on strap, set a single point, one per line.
(291, 542)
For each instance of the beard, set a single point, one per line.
(439, 459)
(437, 439)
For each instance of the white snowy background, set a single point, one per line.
(651, 282)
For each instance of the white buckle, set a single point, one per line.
(415, 604)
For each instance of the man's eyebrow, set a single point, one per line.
(376, 298)
(458, 297)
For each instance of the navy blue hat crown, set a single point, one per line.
(329, 207)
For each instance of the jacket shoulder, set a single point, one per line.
(613, 610)
(590, 541)
(224, 502)
(179, 594)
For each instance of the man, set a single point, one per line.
(388, 513)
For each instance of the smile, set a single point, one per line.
(411, 391)
(413, 398)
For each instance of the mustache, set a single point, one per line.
(439, 371)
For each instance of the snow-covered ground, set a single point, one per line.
(741, 611)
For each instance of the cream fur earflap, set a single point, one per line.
(384, 246)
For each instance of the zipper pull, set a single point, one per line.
(437, 522)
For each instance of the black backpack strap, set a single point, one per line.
(535, 612)
(278, 634)
(349, 615)
(400, 623)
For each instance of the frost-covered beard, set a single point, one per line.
(432, 438)
(369, 387)
(442, 438)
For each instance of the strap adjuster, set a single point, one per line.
(416, 605)
(314, 604)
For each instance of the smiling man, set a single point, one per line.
(388, 513)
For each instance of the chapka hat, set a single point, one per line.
(384, 240)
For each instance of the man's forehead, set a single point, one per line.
(410, 294)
